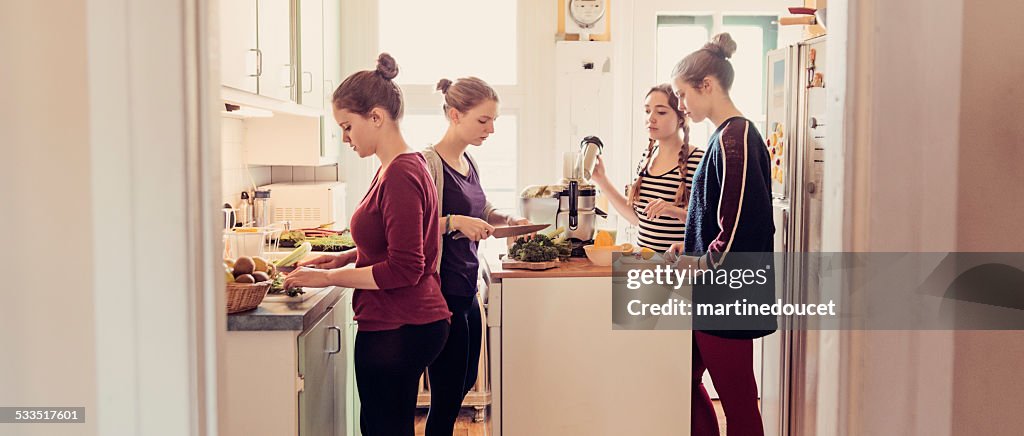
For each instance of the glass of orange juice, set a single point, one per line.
(607, 230)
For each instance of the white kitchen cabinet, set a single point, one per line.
(332, 77)
(238, 51)
(256, 47)
(288, 368)
(307, 136)
(274, 38)
(311, 53)
(346, 392)
(287, 140)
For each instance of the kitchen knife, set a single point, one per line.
(504, 232)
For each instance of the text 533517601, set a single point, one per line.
(25, 415)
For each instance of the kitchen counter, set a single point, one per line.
(575, 267)
(559, 366)
(298, 316)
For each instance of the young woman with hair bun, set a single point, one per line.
(471, 107)
(658, 196)
(729, 226)
(403, 318)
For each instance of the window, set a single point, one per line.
(678, 37)
(755, 36)
(450, 38)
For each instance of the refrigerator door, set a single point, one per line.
(807, 233)
(776, 347)
(780, 101)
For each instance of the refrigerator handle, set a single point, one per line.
(785, 230)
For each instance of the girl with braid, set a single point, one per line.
(656, 201)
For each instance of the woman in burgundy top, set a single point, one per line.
(403, 318)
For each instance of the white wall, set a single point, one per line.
(108, 301)
(46, 321)
(988, 395)
(934, 165)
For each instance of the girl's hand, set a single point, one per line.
(307, 277)
(599, 173)
(659, 208)
(330, 261)
(512, 221)
(474, 228)
(676, 249)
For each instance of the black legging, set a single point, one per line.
(454, 371)
(388, 367)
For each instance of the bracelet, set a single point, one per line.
(698, 262)
(448, 224)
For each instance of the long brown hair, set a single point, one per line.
(682, 193)
(365, 90)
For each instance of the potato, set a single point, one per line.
(244, 265)
(260, 276)
(245, 278)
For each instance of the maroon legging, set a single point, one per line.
(730, 362)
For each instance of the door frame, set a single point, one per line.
(154, 135)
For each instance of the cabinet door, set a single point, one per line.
(331, 148)
(277, 78)
(311, 53)
(350, 407)
(317, 348)
(238, 56)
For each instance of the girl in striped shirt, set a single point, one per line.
(656, 200)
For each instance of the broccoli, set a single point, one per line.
(539, 248)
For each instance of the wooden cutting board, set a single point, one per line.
(515, 264)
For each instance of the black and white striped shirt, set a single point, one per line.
(660, 233)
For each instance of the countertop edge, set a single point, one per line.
(278, 316)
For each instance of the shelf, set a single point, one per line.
(248, 99)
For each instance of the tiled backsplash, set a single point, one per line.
(235, 178)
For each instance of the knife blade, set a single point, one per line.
(504, 232)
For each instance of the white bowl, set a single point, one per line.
(600, 256)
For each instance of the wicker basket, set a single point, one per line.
(245, 296)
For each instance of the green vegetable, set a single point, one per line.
(539, 248)
(296, 255)
(277, 287)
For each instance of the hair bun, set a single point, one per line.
(722, 45)
(443, 85)
(386, 66)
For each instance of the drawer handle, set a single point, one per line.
(337, 330)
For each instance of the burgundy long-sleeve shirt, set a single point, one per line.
(396, 229)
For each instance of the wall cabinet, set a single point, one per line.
(256, 47)
(290, 53)
(274, 38)
(238, 51)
